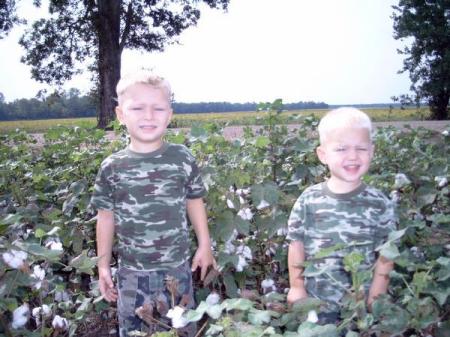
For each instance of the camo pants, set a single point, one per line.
(154, 293)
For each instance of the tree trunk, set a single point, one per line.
(439, 106)
(109, 56)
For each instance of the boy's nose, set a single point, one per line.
(352, 153)
(148, 113)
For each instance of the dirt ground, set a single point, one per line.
(234, 132)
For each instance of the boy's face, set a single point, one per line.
(146, 112)
(347, 152)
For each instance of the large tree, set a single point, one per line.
(95, 32)
(8, 16)
(428, 56)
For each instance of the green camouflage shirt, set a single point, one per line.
(147, 192)
(361, 220)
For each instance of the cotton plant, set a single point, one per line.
(38, 275)
(20, 316)
(15, 259)
(401, 180)
(43, 311)
(268, 286)
(441, 181)
(60, 323)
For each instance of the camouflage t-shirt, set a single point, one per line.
(360, 220)
(147, 193)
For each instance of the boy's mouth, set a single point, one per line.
(148, 127)
(352, 168)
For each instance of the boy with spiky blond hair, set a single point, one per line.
(340, 211)
(142, 194)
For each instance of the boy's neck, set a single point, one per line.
(145, 147)
(340, 187)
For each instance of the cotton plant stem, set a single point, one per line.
(5, 326)
(201, 329)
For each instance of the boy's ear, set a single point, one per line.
(321, 153)
(119, 114)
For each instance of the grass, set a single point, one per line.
(229, 118)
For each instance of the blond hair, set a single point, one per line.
(143, 77)
(345, 117)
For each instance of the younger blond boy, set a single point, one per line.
(341, 210)
(142, 194)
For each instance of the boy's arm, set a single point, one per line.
(380, 281)
(105, 239)
(203, 257)
(296, 256)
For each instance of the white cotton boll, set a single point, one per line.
(62, 296)
(53, 230)
(20, 316)
(241, 263)
(268, 284)
(241, 200)
(282, 231)
(230, 204)
(212, 299)
(54, 245)
(15, 258)
(395, 196)
(441, 181)
(401, 180)
(245, 214)
(244, 251)
(38, 274)
(243, 191)
(60, 323)
(262, 204)
(312, 316)
(229, 248)
(176, 315)
(445, 133)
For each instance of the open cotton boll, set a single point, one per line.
(38, 274)
(20, 316)
(401, 180)
(176, 315)
(212, 299)
(312, 316)
(441, 181)
(245, 214)
(60, 323)
(230, 203)
(262, 204)
(15, 258)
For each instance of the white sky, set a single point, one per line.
(338, 52)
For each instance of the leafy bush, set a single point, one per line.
(48, 280)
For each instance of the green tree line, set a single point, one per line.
(72, 104)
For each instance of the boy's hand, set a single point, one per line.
(203, 258)
(107, 288)
(295, 294)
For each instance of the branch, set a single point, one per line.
(126, 30)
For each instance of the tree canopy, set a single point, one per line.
(95, 32)
(428, 57)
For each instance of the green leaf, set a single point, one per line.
(443, 273)
(308, 329)
(197, 314)
(352, 261)
(230, 284)
(267, 192)
(39, 233)
(38, 250)
(259, 317)
(262, 142)
(237, 303)
(84, 264)
(425, 196)
(392, 318)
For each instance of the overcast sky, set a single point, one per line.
(337, 52)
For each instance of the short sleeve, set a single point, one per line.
(387, 223)
(296, 221)
(102, 196)
(194, 186)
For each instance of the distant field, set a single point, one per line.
(229, 118)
